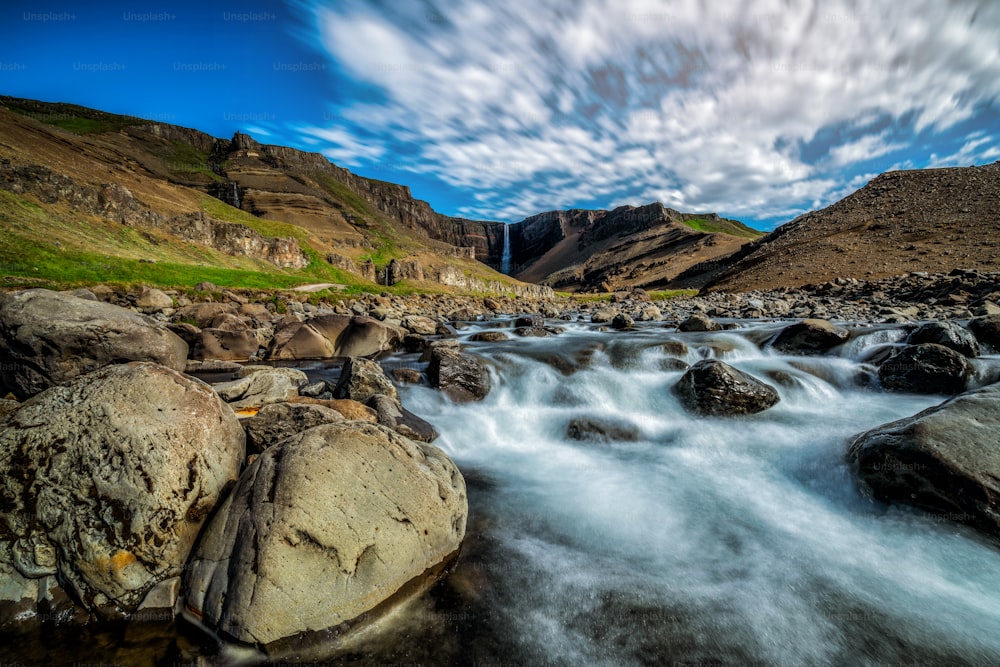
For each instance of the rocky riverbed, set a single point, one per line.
(165, 455)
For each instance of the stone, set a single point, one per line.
(393, 415)
(423, 326)
(360, 379)
(603, 314)
(987, 330)
(270, 385)
(622, 322)
(314, 389)
(927, 368)
(462, 377)
(588, 429)
(945, 460)
(949, 334)
(201, 315)
(152, 300)
(278, 421)
(489, 337)
(407, 375)
(531, 332)
(321, 529)
(714, 388)
(48, 338)
(245, 345)
(810, 336)
(529, 321)
(107, 480)
(334, 336)
(698, 322)
(351, 410)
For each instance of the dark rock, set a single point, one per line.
(987, 330)
(949, 334)
(414, 343)
(673, 365)
(360, 379)
(810, 336)
(531, 332)
(461, 376)
(622, 322)
(698, 322)
(407, 375)
(587, 429)
(489, 337)
(529, 321)
(278, 421)
(714, 388)
(925, 369)
(945, 460)
(392, 414)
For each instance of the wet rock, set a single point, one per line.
(588, 429)
(925, 369)
(622, 322)
(810, 336)
(260, 388)
(529, 321)
(393, 415)
(278, 421)
(360, 379)
(531, 332)
(945, 460)
(334, 336)
(460, 376)
(107, 480)
(987, 330)
(949, 334)
(489, 337)
(714, 388)
(47, 338)
(296, 527)
(698, 322)
(407, 375)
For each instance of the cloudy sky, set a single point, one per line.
(759, 110)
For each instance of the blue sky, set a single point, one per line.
(760, 110)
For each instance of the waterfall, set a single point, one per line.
(236, 196)
(505, 258)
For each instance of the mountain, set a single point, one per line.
(87, 195)
(646, 246)
(933, 220)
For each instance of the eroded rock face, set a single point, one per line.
(278, 421)
(810, 336)
(360, 379)
(392, 414)
(714, 388)
(262, 386)
(321, 529)
(108, 479)
(334, 336)
(925, 369)
(948, 334)
(47, 338)
(945, 460)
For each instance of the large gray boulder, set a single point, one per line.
(948, 334)
(925, 369)
(222, 344)
(360, 379)
(321, 529)
(261, 386)
(699, 322)
(47, 338)
(810, 336)
(462, 377)
(334, 336)
(714, 388)
(945, 460)
(392, 414)
(106, 481)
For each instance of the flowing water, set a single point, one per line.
(689, 540)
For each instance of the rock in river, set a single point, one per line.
(810, 336)
(323, 528)
(925, 369)
(714, 388)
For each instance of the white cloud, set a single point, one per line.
(534, 105)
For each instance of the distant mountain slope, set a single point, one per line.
(644, 246)
(921, 220)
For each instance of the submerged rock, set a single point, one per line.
(107, 480)
(714, 388)
(323, 528)
(810, 336)
(948, 334)
(589, 429)
(925, 369)
(945, 460)
(47, 338)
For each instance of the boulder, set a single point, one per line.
(202, 315)
(949, 334)
(334, 336)
(278, 421)
(460, 376)
(320, 530)
(945, 460)
(698, 322)
(603, 314)
(810, 336)
(393, 415)
(534, 320)
(531, 332)
(622, 322)
(407, 375)
(47, 338)
(987, 330)
(422, 326)
(352, 410)
(588, 429)
(260, 388)
(360, 379)
(152, 300)
(488, 337)
(715, 388)
(925, 369)
(226, 345)
(107, 480)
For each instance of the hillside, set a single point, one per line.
(90, 196)
(646, 246)
(933, 220)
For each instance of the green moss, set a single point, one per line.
(723, 226)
